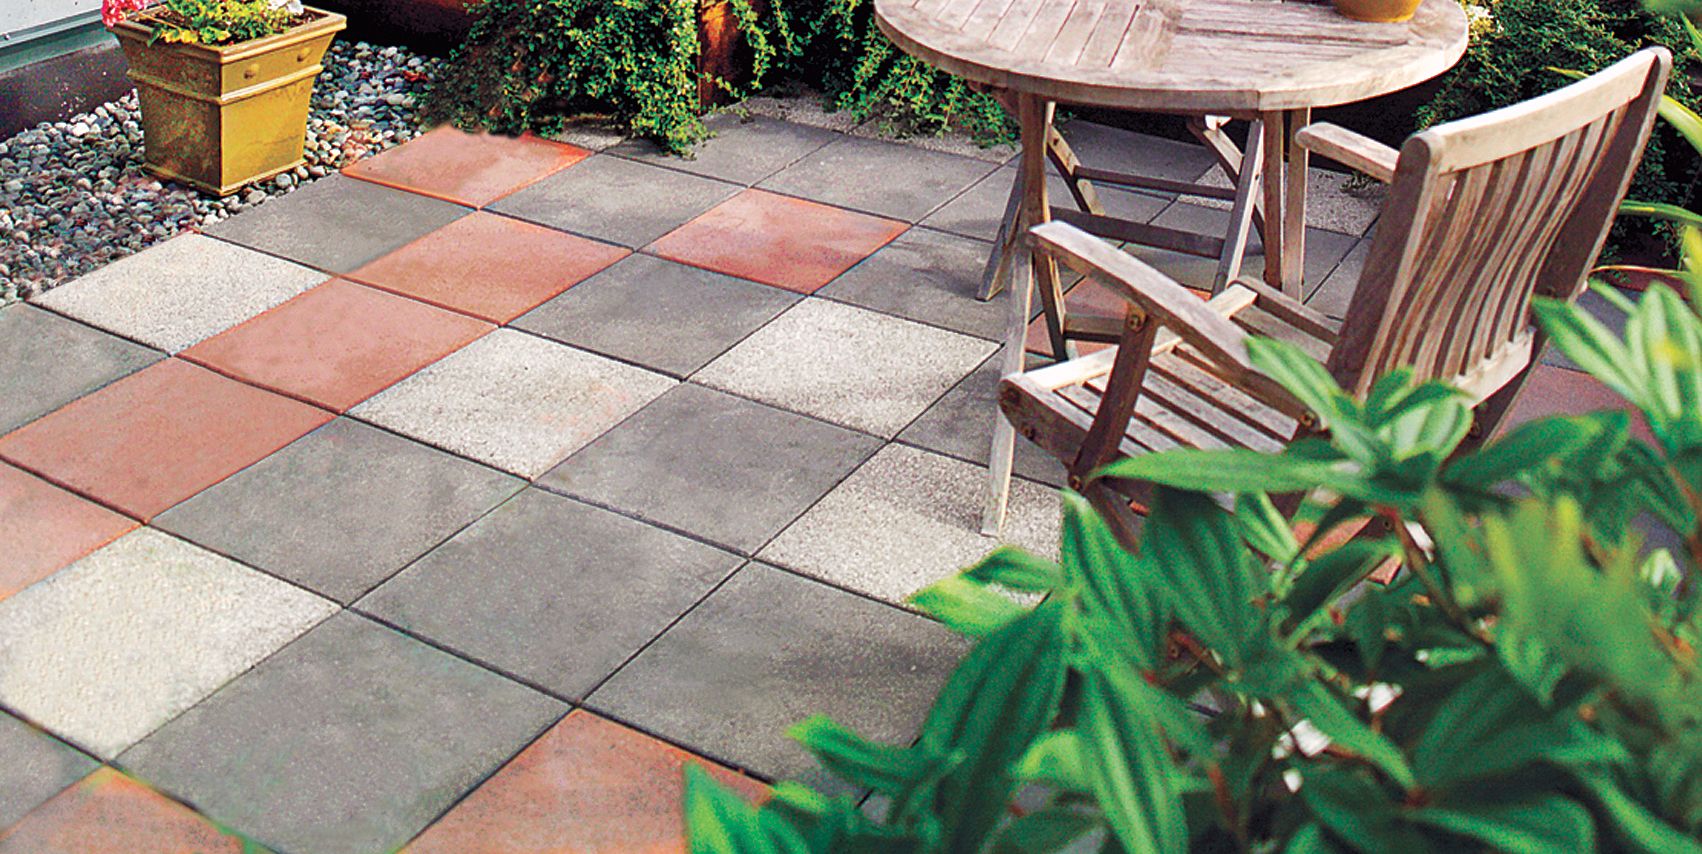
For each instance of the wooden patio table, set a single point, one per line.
(1269, 62)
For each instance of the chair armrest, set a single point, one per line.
(1349, 149)
(1153, 293)
(1172, 306)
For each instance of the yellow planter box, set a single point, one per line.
(220, 117)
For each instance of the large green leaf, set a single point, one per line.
(1047, 830)
(1543, 824)
(967, 607)
(720, 822)
(1525, 447)
(1347, 731)
(1590, 344)
(884, 768)
(997, 702)
(1195, 545)
(1017, 569)
(1634, 824)
(1120, 590)
(1130, 771)
(1357, 810)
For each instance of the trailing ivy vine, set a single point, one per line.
(532, 64)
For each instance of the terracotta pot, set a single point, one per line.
(1378, 11)
(220, 117)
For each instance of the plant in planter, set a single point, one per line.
(224, 84)
(1528, 682)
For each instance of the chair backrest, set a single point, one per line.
(1486, 212)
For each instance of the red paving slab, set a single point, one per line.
(778, 240)
(1560, 391)
(471, 169)
(158, 436)
(489, 266)
(587, 785)
(337, 344)
(109, 812)
(43, 528)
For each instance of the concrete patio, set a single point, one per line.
(456, 501)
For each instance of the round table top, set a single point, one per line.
(1178, 56)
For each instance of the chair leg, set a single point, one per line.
(996, 274)
(1241, 214)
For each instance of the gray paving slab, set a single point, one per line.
(906, 519)
(351, 739)
(342, 508)
(182, 291)
(556, 592)
(34, 766)
(721, 467)
(616, 199)
(742, 148)
(848, 365)
(927, 276)
(53, 361)
(338, 223)
(107, 649)
(766, 650)
(978, 211)
(960, 424)
(1332, 294)
(879, 177)
(1120, 150)
(514, 401)
(1324, 249)
(665, 316)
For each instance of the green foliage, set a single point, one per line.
(219, 22)
(860, 70)
(531, 64)
(1513, 57)
(1528, 682)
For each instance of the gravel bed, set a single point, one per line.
(73, 195)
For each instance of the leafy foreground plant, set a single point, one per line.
(1528, 682)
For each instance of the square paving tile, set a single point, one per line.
(977, 211)
(158, 436)
(588, 785)
(961, 425)
(109, 648)
(489, 266)
(662, 315)
(906, 519)
(927, 276)
(848, 365)
(514, 401)
(718, 466)
(337, 344)
(43, 528)
(778, 240)
(1554, 390)
(618, 200)
(34, 766)
(341, 509)
(337, 223)
(108, 811)
(556, 592)
(879, 177)
(1333, 295)
(351, 739)
(185, 289)
(472, 169)
(65, 360)
(768, 649)
(743, 149)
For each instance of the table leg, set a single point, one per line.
(1241, 213)
(998, 269)
(1274, 173)
(1294, 206)
(1028, 272)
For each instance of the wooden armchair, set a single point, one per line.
(1483, 214)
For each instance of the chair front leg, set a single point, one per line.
(1117, 406)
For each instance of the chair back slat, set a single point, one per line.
(1486, 213)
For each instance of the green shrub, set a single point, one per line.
(1513, 58)
(531, 64)
(1529, 682)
